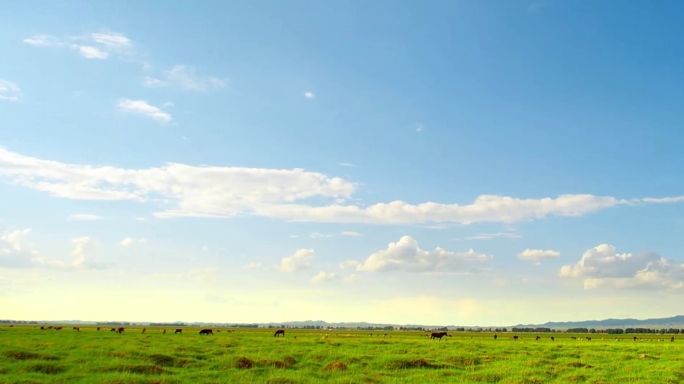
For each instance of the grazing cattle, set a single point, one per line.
(588, 338)
(634, 338)
(573, 337)
(42, 328)
(295, 336)
(279, 332)
(120, 330)
(537, 338)
(50, 327)
(671, 339)
(218, 330)
(77, 329)
(515, 337)
(164, 332)
(178, 330)
(495, 336)
(437, 335)
(206, 332)
(144, 329)
(553, 339)
(11, 326)
(58, 328)
(98, 329)
(112, 330)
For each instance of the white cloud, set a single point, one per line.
(114, 41)
(14, 251)
(350, 264)
(214, 191)
(85, 254)
(538, 254)
(602, 265)
(300, 260)
(140, 219)
(309, 95)
(143, 108)
(9, 91)
(91, 46)
(90, 52)
(660, 200)
(405, 255)
(252, 266)
(316, 235)
(350, 233)
(346, 164)
(322, 277)
(42, 41)
(351, 278)
(184, 77)
(16, 240)
(126, 242)
(83, 217)
(419, 129)
(489, 236)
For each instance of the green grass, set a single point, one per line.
(29, 355)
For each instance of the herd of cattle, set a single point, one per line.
(281, 332)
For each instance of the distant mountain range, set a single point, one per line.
(666, 322)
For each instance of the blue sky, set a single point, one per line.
(437, 162)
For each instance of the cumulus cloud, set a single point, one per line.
(349, 264)
(300, 260)
(322, 277)
(99, 45)
(309, 95)
(83, 217)
(184, 77)
(602, 265)
(350, 233)
(126, 242)
(538, 254)
(405, 255)
(215, 191)
(143, 108)
(9, 91)
(14, 250)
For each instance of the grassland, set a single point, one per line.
(29, 355)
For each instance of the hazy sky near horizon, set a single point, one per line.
(434, 162)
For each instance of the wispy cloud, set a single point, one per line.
(538, 254)
(346, 164)
(9, 91)
(489, 236)
(99, 45)
(83, 217)
(420, 128)
(143, 108)
(309, 95)
(316, 235)
(185, 78)
(350, 233)
(214, 191)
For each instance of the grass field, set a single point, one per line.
(29, 355)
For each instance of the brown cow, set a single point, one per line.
(11, 326)
(515, 337)
(112, 330)
(206, 332)
(77, 329)
(672, 339)
(120, 330)
(178, 330)
(164, 332)
(144, 329)
(58, 328)
(98, 329)
(537, 338)
(279, 332)
(634, 338)
(437, 335)
(552, 338)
